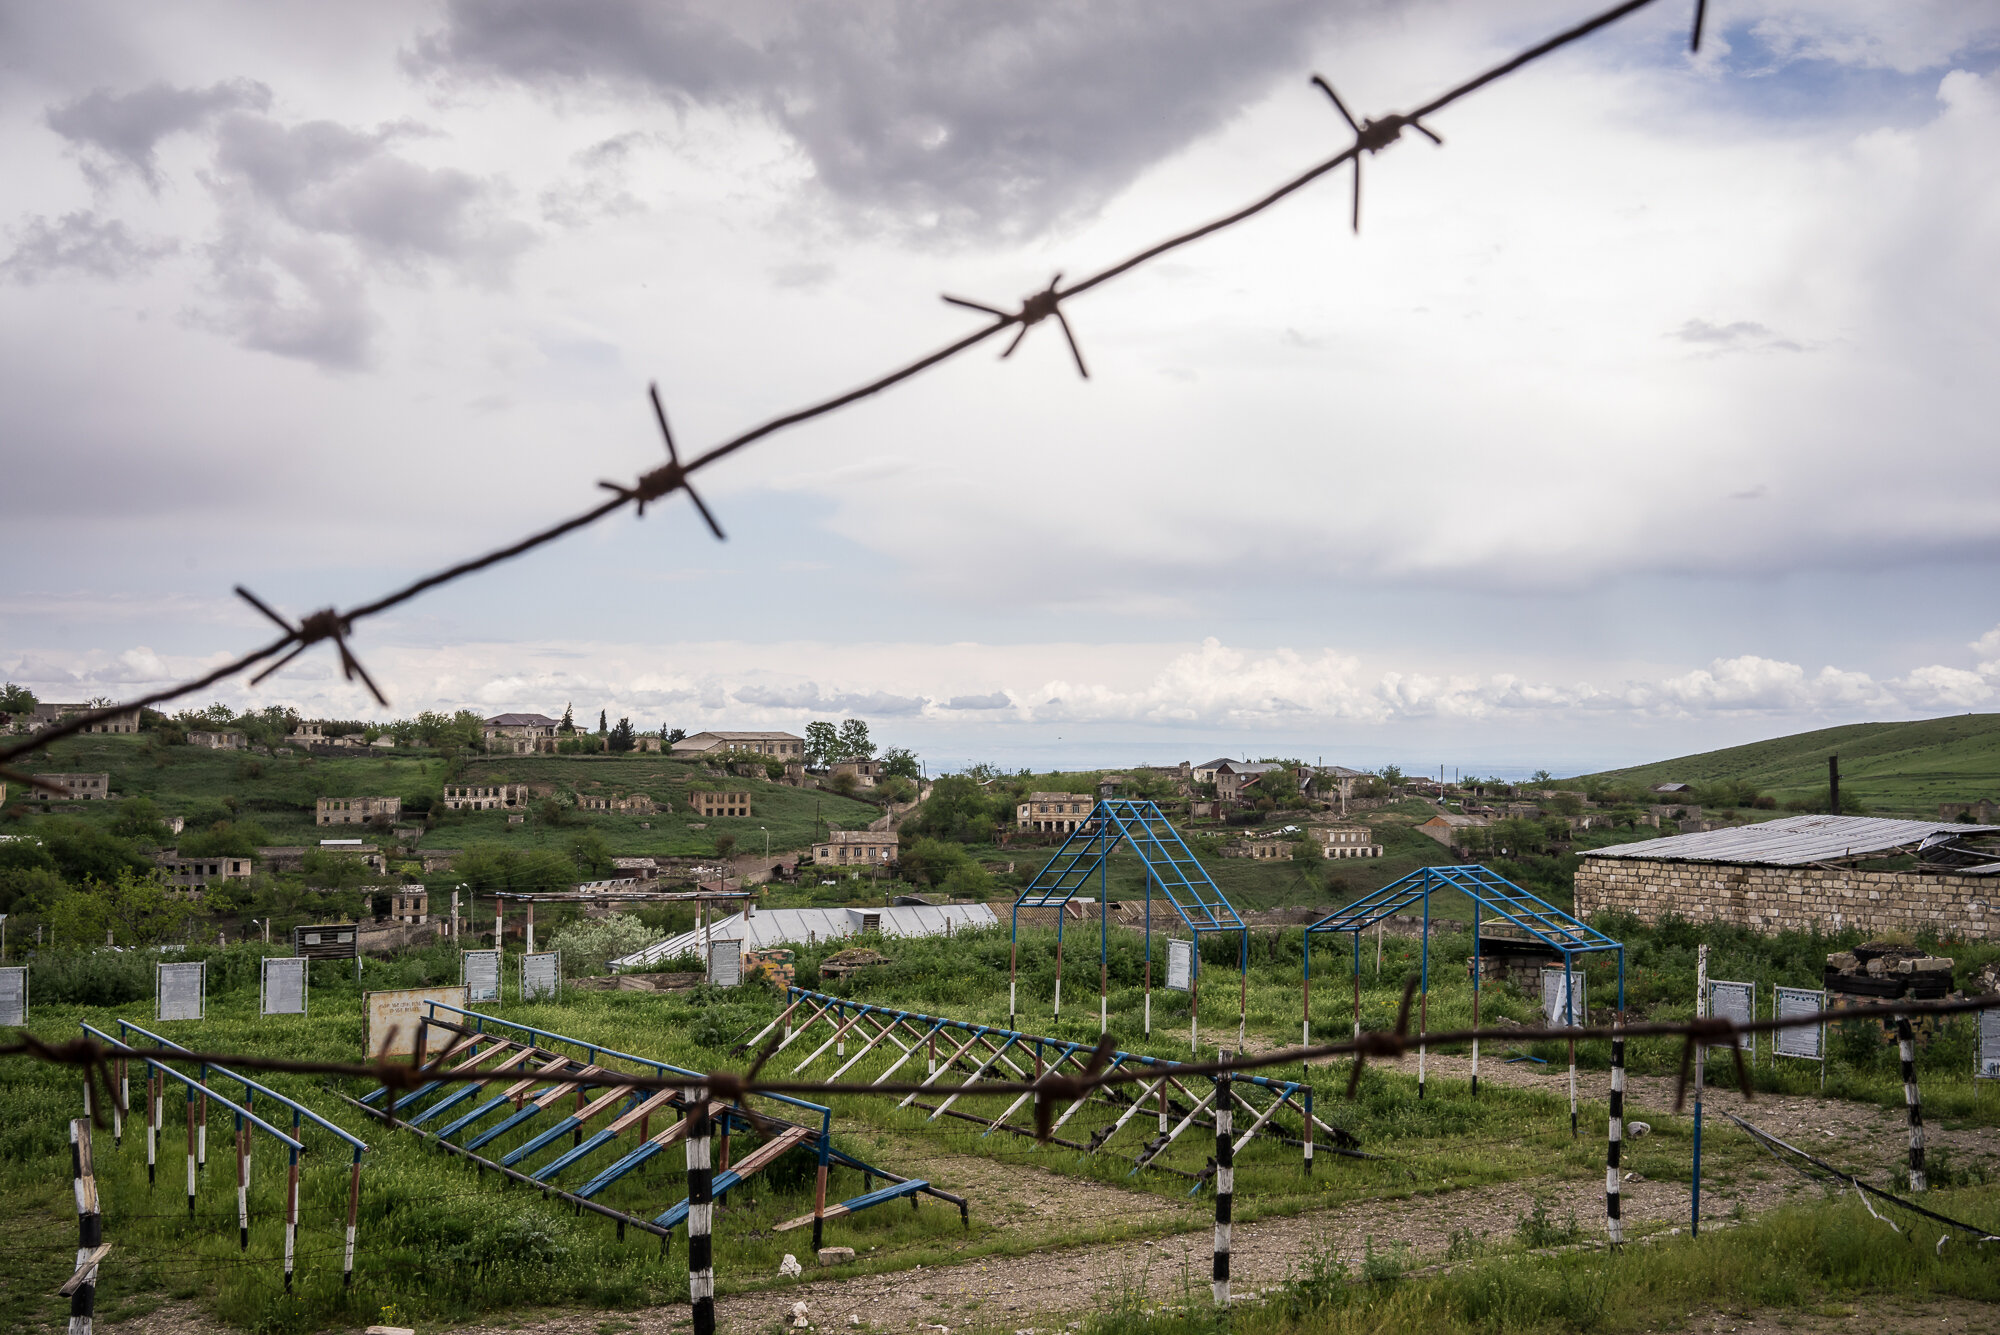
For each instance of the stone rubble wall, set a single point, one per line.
(1773, 899)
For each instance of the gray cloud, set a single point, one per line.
(1737, 334)
(809, 696)
(308, 211)
(81, 243)
(945, 118)
(119, 131)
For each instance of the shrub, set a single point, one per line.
(588, 945)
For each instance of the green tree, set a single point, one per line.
(622, 737)
(931, 862)
(844, 784)
(725, 844)
(822, 743)
(1391, 774)
(590, 855)
(568, 724)
(17, 699)
(673, 735)
(333, 871)
(854, 743)
(1541, 776)
(139, 818)
(601, 729)
(134, 909)
(901, 762)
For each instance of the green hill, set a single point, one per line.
(1892, 768)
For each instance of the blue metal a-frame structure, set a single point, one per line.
(1560, 931)
(1170, 864)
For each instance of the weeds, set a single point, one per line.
(1538, 1229)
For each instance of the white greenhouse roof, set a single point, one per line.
(797, 927)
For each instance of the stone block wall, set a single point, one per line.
(1773, 899)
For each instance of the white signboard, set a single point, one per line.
(1989, 1045)
(479, 971)
(1559, 1010)
(283, 991)
(394, 1018)
(541, 976)
(1808, 1041)
(14, 995)
(1735, 1001)
(725, 963)
(182, 992)
(1180, 965)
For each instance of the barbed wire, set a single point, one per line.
(93, 1058)
(1371, 136)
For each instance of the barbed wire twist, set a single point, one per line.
(1371, 136)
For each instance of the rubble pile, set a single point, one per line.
(1882, 970)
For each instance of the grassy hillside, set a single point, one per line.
(1893, 768)
(278, 794)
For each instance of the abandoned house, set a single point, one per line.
(356, 810)
(82, 787)
(520, 734)
(1348, 841)
(708, 803)
(1053, 813)
(780, 744)
(846, 848)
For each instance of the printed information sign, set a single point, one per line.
(725, 963)
(14, 995)
(1558, 1012)
(541, 976)
(1734, 1001)
(395, 1016)
(479, 972)
(284, 986)
(1808, 1042)
(182, 991)
(1180, 964)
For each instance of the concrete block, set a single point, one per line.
(835, 1255)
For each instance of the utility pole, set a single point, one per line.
(1833, 784)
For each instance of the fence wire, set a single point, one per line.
(1371, 135)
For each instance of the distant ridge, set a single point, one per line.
(1892, 768)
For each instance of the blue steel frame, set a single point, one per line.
(1065, 1050)
(1562, 932)
(820, 1136)
(1184, 882)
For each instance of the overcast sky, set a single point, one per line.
(1654, 412)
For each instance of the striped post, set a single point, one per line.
(201, 1126)
(1614, 1228)
(353, 1213)
(153, 1114)
(89, 1230)
(242, 1184)
(122, 1105)
(700, 1216)
(291, 1216)
(1225, 1185)
(1906, 1043)
(1305, 1078)
(190, 1153)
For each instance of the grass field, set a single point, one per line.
(438, 1242)
(1892, 768)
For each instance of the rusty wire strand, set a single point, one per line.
(733, 1087)
(1371, 135)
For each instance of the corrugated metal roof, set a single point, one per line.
(797, 927)
(1795, 841)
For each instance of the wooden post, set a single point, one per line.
(1700, 1075)
(531, 927)
(82, 1288)
(700, 1216)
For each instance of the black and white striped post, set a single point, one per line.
(1906, 1043)
(154, 1111)
(700, 1216)
(1225, 1185)
(1614, 1228)
(82, 1287)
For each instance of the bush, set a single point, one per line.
(588, 945)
